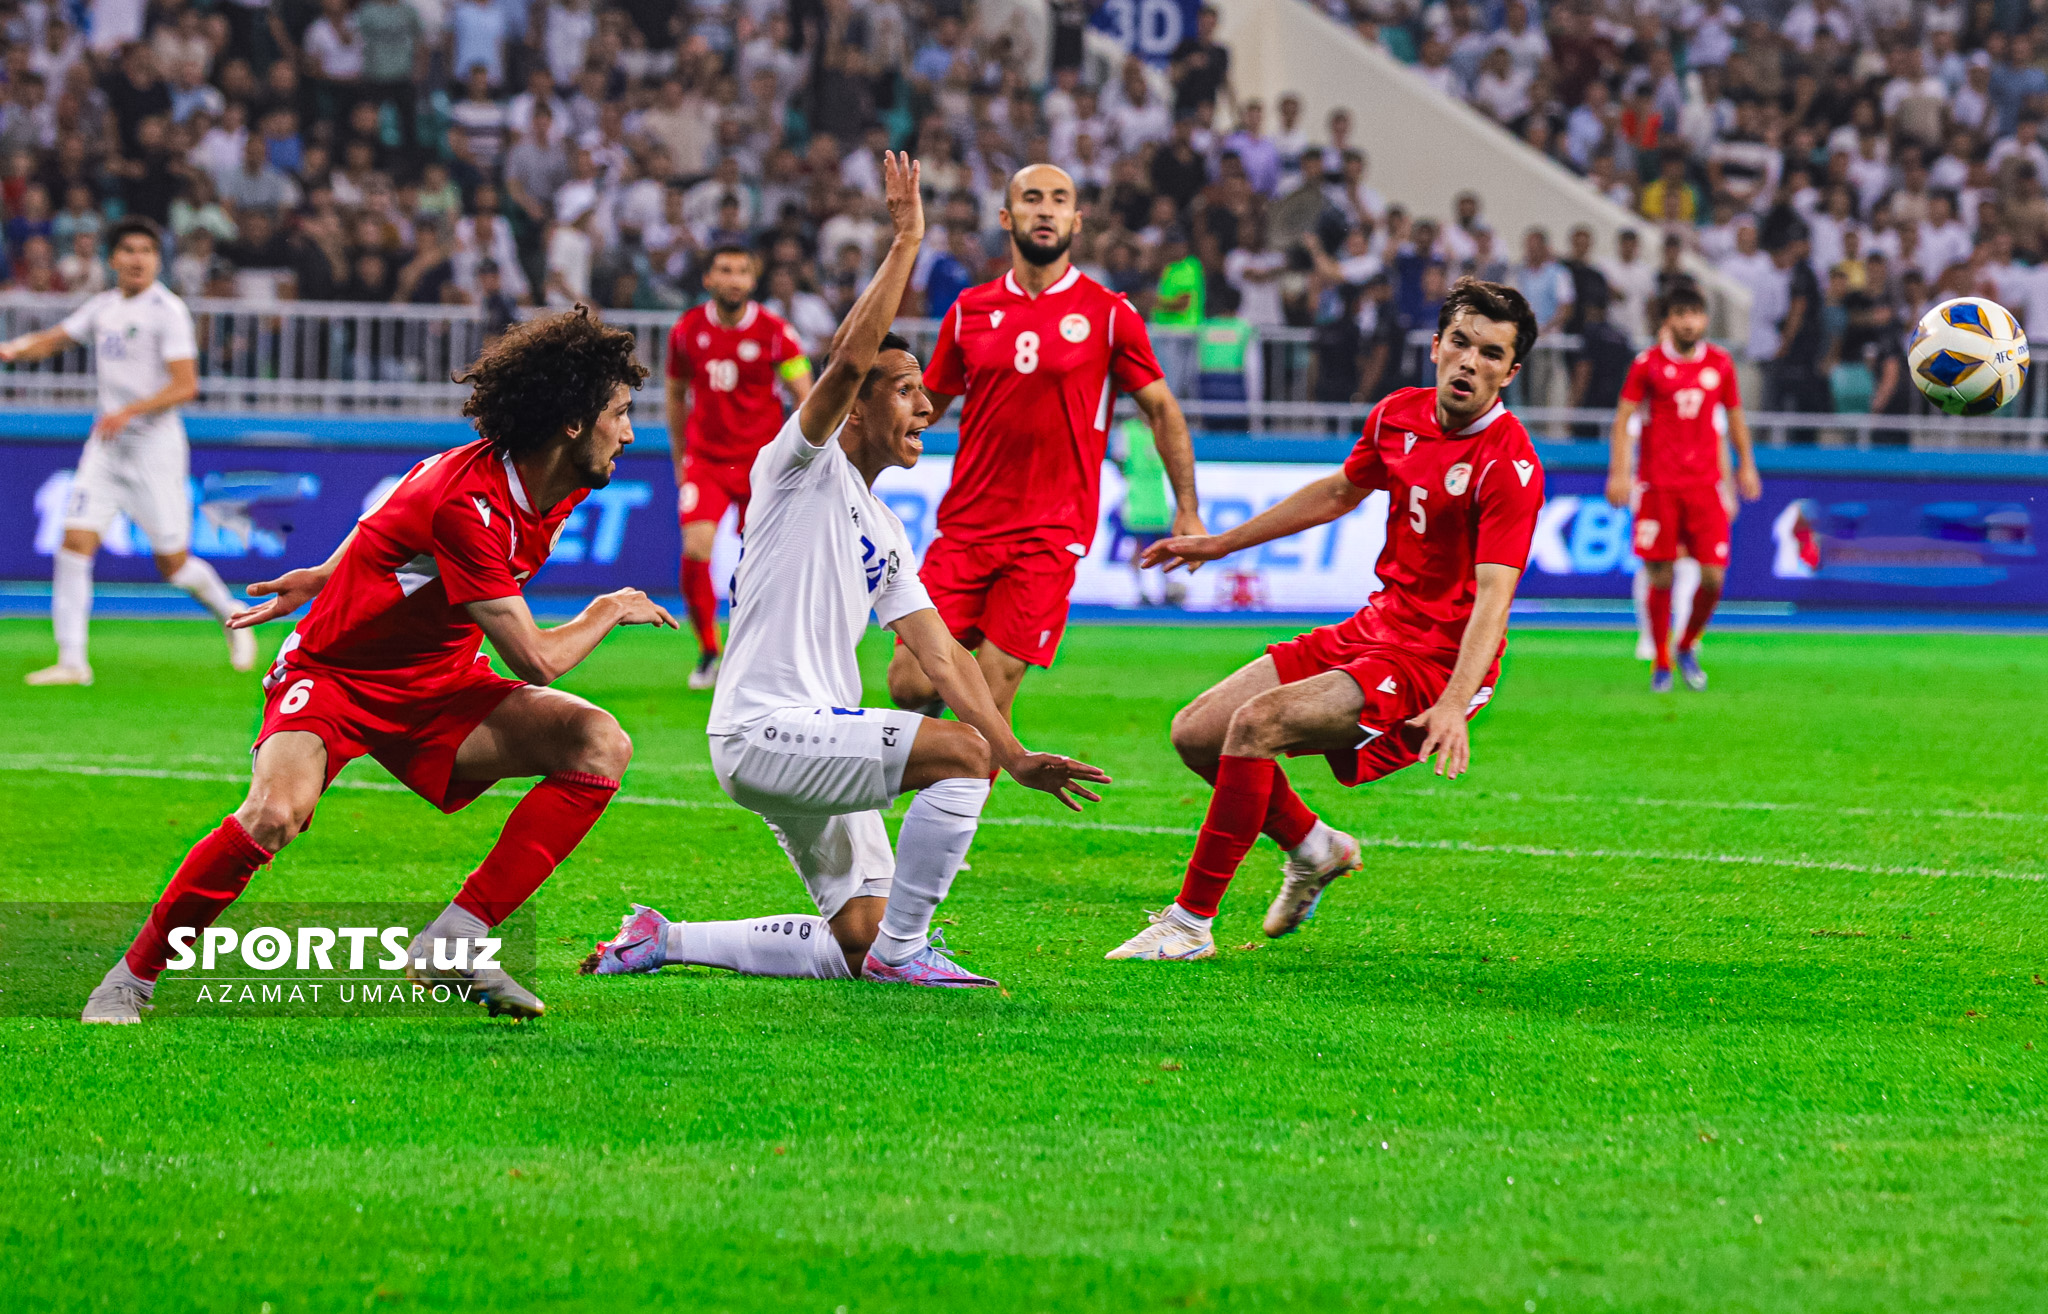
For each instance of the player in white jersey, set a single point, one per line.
(135, 462)
(789, 739)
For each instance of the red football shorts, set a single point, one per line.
(1693, 517)
(709, 487)
(1012, 594)
(1398, 680)
(413, 731)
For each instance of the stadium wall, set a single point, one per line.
(1836, 528)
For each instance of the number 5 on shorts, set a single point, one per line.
(295, 697)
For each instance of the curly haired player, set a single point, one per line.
(387, 663)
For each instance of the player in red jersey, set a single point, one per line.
(724, 359)
(1396, 683)
(1040, 355)
(1680, 486)
(387, 664)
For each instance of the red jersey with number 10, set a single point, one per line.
(1456, 501)
(457, 529)
(734, 408)
(1680, 445)
(1040, 377)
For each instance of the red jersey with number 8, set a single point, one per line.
(734, 408)
(1681, 444)
(1456, 501)
(1040, 376)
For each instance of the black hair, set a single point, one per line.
(1494, 301)
(546, 375)
(135, 225)
(1225, 300)
(890, 342)
(724, 249)
(1684, 295)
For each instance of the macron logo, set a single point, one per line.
(1408, 446)
(483, 508)
(1388, 686)
(1523, 469)
(995, 319)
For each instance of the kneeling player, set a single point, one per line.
(1397, 682)
(387, 664)
(788, 737)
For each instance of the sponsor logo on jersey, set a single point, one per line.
(1074, 327)
(1457, 478)
(1523, 469)
(749, 350)
(1710, 378)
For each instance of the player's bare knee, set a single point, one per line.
(603, 747)
(966, 752)
(1711, 577)
(1259, 728)
(271, 820)
(1659, 573)
(1194, 737)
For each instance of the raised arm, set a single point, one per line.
(1316, 504)
(1176, 453)
(958, 679)
(541, 656)
(859, 339)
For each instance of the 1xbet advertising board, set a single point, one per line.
(1813, 538)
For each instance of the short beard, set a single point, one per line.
(1035, 254)
(737, 303)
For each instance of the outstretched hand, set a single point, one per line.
(1444, 735)
(287, 593)
(636, 608)
(1058, 776)
(902, 193)
(1184, 551)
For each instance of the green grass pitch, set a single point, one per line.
(1722, 1002)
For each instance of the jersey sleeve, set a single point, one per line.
(473, 553)
(78, 324)
(1637, 385)
(786, 352)
(1364, 467)
(1131, 362)
(1510, 498)
(1731, 385)
(901, 594)
(181, 340)
(947, 372)
(789, 454)
(678, 366)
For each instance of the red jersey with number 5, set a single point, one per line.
(1681, 443)
(1456, 501)
(734, 407)
(1039, 377)
(457, 529)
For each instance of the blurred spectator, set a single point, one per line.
(1181, 296)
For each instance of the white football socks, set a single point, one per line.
(793, 944)
(204, 583)
(71, 604)
(929, 850)
(1193, 921)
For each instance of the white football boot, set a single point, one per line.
(1325, 855)
(493, 987)
(1167, 938)
(241, 649)
(59, 674)
(115, 1002)
(705, 674)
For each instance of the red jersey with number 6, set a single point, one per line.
(1040, 376)
(734, 408)
(457, 529)
(1457, 501)
(1681, 445)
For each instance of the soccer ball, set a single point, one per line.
(1968, 356)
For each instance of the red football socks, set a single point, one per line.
(211, 877)
(547, 825)
(1288, 819)
(702, 602)
(1660, 623)
(1703, 604)
(1237, 813)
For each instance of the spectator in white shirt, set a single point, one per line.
(1255, 272)
(1943, 239)
(1139, 118)
(1524, 41)
(1501, 90)
(1434, 68)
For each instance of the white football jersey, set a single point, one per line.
(820, 553)
(133, 339)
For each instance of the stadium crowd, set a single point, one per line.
(1851, 162)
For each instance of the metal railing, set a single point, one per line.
(392, 361)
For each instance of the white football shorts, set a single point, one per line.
(147, 482)
(819, 776)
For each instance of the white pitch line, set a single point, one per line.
(1382, 842)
